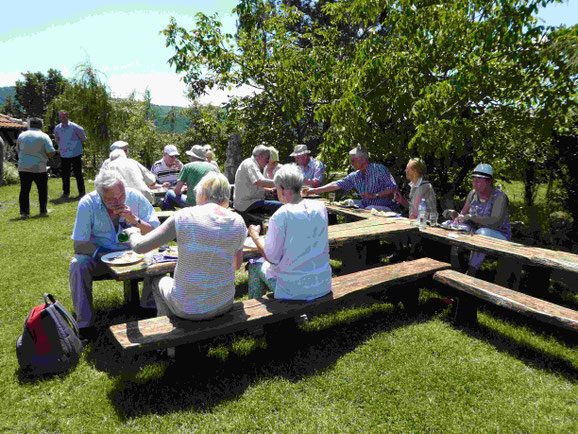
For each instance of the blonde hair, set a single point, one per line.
(214, 187)
(418, 164)
(274, 154)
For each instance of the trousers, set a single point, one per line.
(26, 180)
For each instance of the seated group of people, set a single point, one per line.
(210, 236)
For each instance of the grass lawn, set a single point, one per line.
(368, 368)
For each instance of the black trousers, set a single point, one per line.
(74, 163)
(26, 180)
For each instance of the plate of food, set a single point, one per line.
(125, 257)
(385, 213)
(172, 251)
(347, 203)
(458, 227)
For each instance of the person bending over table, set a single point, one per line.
(419, 189)
(250, 184)
(210, 241)
(486, 210)
(296, 248)
(167, 171)
(372, 181)
(101, 216)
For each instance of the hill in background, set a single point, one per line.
(161, 111)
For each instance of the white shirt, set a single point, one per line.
(246, 192)
(297, 245)
(135, 175)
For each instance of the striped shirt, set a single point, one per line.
(165, 173)
(208, 237)
(314, 170)
(375, 179)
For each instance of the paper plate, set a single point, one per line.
(125, 257)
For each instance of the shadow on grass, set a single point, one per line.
(201, 379)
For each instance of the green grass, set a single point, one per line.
(369, 368)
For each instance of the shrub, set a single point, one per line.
(10, 174)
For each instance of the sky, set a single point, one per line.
(121, 39)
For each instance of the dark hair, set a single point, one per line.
(35, 123)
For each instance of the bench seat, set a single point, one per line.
(166, 332)
(519, 302)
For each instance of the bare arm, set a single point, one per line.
(329, 187)
(265, 183)
(179, 187)
(161, 235)
(238, 260)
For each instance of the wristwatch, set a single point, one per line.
(138, 221)
(377, 195)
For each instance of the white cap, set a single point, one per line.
(119, 144)
(171, 150)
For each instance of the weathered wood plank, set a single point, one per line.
(163, 332)
(522, 303)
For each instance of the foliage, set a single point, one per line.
(34, 93)
(456, 83)
(10, 175)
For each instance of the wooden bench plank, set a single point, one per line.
(519, 302)
(164, 332)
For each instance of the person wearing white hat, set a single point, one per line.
(167, 171)
(119, 144)
(193, 172)
(135, 175)
(313, 170)
(485, 210)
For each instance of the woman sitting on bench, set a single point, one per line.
(210, 239)
(486, 209)
(296, 248)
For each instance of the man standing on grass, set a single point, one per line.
(69, 137)
(34, 150)
(101, 216)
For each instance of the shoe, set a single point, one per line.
(63, 197)
(45, 214)
(23, 216)
(80, 196)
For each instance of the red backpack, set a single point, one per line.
(50, 341)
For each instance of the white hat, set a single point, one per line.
(300, 150)
(171, 150)
(119, 144)
(198, 152)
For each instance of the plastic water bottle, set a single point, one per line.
(421, 218)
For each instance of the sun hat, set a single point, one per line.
(300, 150)
(171, 150)
(119, 144)
(198, 152)
(274, 154)
(483, 171)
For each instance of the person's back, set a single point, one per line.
(297, 240)
(191, 174)
(135, 175)
(33, 149)
(208, 238)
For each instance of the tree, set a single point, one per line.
(453, 83)
(36, 92)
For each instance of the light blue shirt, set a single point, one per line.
(93, 223)
(297, 245)
(33, 149)
(315, 170)
(69, 139)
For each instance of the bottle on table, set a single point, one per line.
(421, 214)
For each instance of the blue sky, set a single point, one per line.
(122, 40)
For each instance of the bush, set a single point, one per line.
(10, 174)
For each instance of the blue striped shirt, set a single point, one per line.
(375, 179)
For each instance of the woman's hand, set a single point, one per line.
(254, 231)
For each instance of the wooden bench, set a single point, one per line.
(167, 332)
(471, 288)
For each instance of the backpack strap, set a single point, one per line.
(65, 314)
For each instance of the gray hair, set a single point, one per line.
(214, 186)
(360, 152)
(106, 178)
(117, 153)
(289, 177)
(261, 150)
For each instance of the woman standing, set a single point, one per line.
(296, 248)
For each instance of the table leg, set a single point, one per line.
(509, 273)
(131, 294)
(353, 257)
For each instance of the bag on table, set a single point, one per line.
(50, 341)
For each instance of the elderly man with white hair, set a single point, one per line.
(119, 144)
(250, 184)
(372, 181)
(101, 216)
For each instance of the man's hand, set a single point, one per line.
(254, 231)
(306, 191)
(125, 212)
